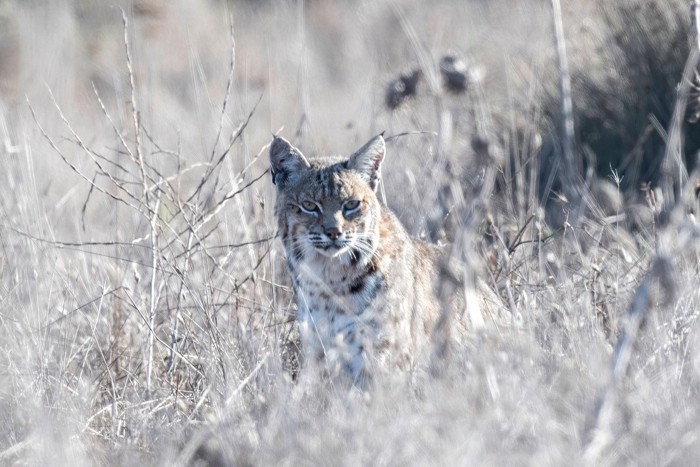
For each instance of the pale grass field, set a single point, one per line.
(145, 310)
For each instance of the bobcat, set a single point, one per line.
(363, 286)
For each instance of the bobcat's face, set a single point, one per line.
(331, 212)
(328, 208)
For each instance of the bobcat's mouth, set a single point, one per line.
(333, 248)
(330, 247)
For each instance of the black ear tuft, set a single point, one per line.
(367, 160)
(286, 161)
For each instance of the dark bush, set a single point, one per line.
(620, 111)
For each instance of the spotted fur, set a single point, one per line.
(364, 287)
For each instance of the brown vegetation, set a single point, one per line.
(145, 313)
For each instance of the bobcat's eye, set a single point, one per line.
(351, 206)
(309, 207)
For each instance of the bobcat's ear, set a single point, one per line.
(367, 160)
(286, 161)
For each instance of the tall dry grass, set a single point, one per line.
(145, 313)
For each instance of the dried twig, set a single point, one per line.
(73, 167)
(236, 134)
(134, 106)
(229, 85)
(598, 434)
(572, 187)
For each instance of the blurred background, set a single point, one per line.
(322, 73)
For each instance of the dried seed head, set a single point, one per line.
(455, 73)
(402, 88)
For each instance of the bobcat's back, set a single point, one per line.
(364, 287)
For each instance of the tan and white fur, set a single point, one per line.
(364, 288)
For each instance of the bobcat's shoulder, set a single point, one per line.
(363, 286)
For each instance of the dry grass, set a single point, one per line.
(144, 306)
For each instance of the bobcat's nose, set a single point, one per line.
(333, 233)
